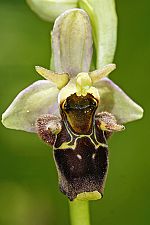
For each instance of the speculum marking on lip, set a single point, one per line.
(79, 112)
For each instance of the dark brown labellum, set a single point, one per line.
(79, 143)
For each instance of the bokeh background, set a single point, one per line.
(29, 192)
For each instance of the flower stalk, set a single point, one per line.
(79, 212)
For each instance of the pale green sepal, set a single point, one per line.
(37, 99)
(115, 101)
(49, 10)
(72, 42)
(104, 25)
(59, 79)
(97, 75)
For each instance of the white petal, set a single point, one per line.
(72, 42)
(37, 99)
(115, 101)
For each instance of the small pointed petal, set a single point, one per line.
(59, 79)
(72, 42)
(49, 10)
(101, 73)
(37, 99)
(115, 101)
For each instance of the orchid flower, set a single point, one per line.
(74, 109)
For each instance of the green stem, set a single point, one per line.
(79, 212)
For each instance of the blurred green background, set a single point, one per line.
(29, 192)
